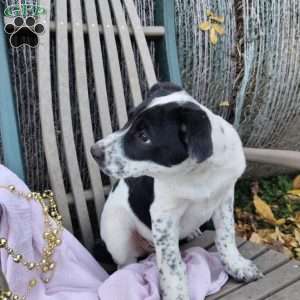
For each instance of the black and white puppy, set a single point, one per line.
(178, 164)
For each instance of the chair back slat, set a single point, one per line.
(124, 36)
(141, 42)
(47, 121)
(98, 68)
(113, 62)
(75, 101)
(83, 102)
(63, 79)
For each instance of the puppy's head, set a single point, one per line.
(162, 133)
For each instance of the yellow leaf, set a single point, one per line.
(263, 209)
(213, 36)
(280, 222)
(297, 235)
(255, 238)
(296, 183)
(219, 29)
(295, 192)
(277, 235)
(224, 103)
(219, 19)
(204, 26)
(209, 13)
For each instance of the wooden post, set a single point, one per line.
(167, 55)
(9, 130)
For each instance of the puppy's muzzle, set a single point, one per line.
(98, 152)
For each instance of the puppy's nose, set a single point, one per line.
(98, 152)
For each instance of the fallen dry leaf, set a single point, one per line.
(213, 36)
(256, 238)
(296, 183)
(263, 209)
(297, 235)
(219, 29)
(294, 192)
(224, 103)
(219, 19)
(205, 26)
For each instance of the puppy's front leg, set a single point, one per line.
(165, 232)
(237, 266)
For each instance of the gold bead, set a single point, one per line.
(55, 231)
(58, 242)
(17, 258)
(46, 235)
(29, 196)
(53, 214)
(59, 218)
(31, 266)
(3, 242)
(44, 261)
(46, 280)
(12, 188)
(16, 297)
(45, 269)
(48, 253)
(52, 266)
(32, 283)
(8, 294)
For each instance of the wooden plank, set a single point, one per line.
(291, 292)
(285, 158)
(98, 70)
(113, 62)
(130, 62)
(151, 32)
(62, 57)
(10, 136)
(85, 116)
(239, 242)
(252, 250)
(274, 281)
(266, 261)
(141, 42)
(47, 120)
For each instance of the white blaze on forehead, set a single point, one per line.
(178, 97)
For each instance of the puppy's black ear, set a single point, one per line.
(161, 89)
(197, 130)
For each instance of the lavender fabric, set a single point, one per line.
(78, 275)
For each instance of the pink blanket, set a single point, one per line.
(78, 275)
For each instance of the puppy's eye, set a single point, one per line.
(143, 137)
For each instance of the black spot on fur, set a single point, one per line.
(141, 196)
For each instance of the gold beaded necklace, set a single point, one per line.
(52, 235)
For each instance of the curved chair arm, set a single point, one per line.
(3, 282)
(284, 158)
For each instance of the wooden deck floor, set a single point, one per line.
(281, 280)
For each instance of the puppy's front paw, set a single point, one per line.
(243, 270)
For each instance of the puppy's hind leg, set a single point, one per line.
(117, 232)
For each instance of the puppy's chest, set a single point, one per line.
(142, 194)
